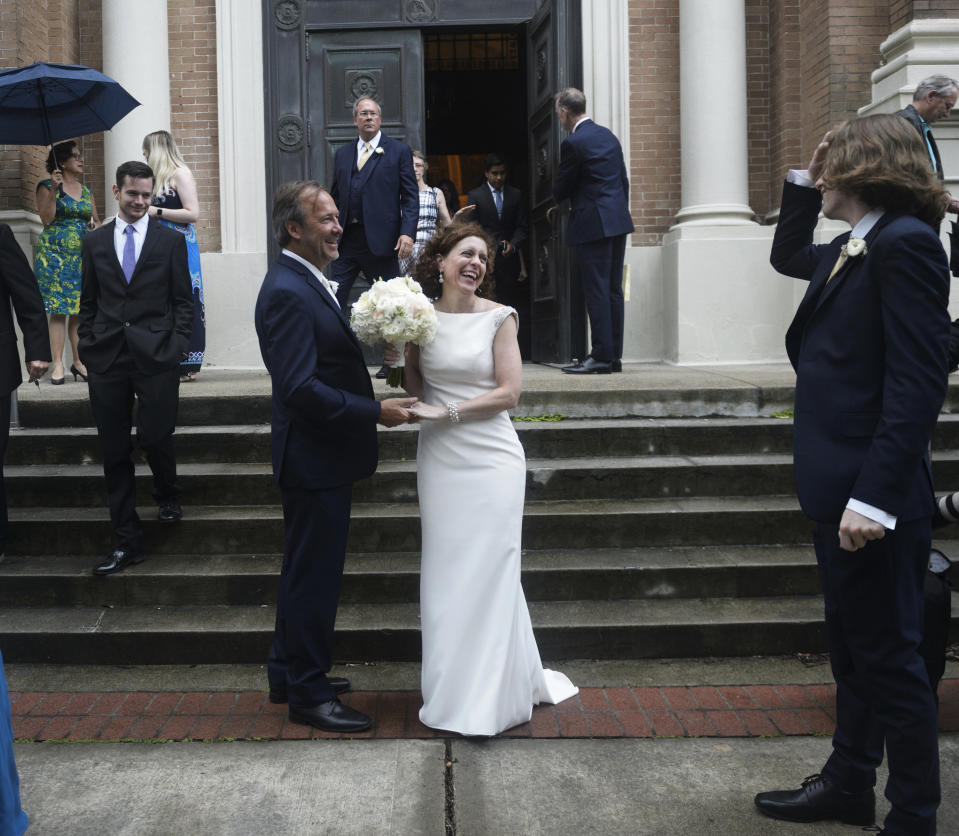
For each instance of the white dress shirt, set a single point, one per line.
(139, 235)
(316, 272)
(374, 143)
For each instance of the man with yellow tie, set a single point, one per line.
(375, 190)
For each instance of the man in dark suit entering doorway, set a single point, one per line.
(592, 176)
(501, 211)
(136, 314)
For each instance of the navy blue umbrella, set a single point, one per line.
(45, 103)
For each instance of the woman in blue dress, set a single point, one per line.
(67, 210)
(176, 205)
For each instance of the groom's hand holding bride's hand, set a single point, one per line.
(395, 411)
(426, 412)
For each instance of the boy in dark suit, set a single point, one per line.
(136, 314)
(868, 343)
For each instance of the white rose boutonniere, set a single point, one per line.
(334, 286)
(854, 248)
(379, 150)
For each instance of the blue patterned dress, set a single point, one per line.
(56, 260)
(171, 200)
(13, 821)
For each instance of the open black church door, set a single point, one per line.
(554, 49)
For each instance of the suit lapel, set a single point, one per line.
(324, 296)
(831, 285)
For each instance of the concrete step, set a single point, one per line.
(622, 629)
(551, 575)
(245, 483)
(628, 437)
(376, 527)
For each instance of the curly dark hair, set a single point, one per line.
(883, 162)
(59, 154)
(426, 271)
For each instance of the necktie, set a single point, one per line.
(926, 133)
(838, 265)
(498, 200)
(364, 156)
(129, 253)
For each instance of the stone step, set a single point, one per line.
(604, 574)
(562, 439)
(622, 629)
(229, 529)
(242, 483)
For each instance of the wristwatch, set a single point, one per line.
(159, 213)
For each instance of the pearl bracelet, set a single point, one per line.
(454, 413)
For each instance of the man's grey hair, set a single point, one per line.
(288, 206)
(941, 85)
(572, 99)
(356, 105)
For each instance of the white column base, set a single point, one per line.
(231, 282)
(723, 301)
(716, 214)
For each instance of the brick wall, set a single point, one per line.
(758, 99)
(785, 97)
(655, 186)
(193, 105)
(903, 11)
(91, 55)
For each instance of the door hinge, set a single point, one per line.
(307, 41)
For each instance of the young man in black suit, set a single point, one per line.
(19, 291)
(868, 343)
(501, 211)
(136, 314)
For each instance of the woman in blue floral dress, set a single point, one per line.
(67, 210)
(176, 205)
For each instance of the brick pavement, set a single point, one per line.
(704, 711)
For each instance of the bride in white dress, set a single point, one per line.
(481, 668)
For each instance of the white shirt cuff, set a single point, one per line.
(875, 514)
(800, 177)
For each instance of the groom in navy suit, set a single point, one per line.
(869, 343)
(323, 440)
(592, 175)
(375, 189)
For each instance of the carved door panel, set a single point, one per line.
(344, 66)
(558, 309)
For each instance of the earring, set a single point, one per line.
(441, 277)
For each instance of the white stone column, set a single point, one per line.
(231, 278)
(136, 54)
(605, 66)
(713, 115)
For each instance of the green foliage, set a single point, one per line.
(550, 418)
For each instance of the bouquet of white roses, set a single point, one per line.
(397, 312)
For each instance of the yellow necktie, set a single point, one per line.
(364, 156)
(838, 265)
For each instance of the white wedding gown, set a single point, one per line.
(481, 667)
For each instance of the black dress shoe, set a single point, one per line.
(818, 800)
(383, 373)
(616, 365)
(331, 716)
(340, 685)
(170, 511)
(589, 366)
(120, 559)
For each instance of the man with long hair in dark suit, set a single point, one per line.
(323, 440)
(868, 343)
(136, 315)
